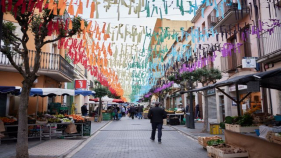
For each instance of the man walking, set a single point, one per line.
(140, 111)
(156, 116)
(132, 111)
(84, 109)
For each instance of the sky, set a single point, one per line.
(111, 16)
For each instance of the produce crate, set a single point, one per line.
(210, 151)
(276, 139)
(203, 140)
(240, 129)
(145, 115)
(221, 154)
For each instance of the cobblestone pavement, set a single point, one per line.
(130, 138)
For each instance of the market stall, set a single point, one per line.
(48, 126)
(237, 128)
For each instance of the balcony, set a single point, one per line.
(231, 15)
(231, 63)
(271, 46)
(51, 65)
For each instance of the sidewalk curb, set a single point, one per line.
(185, 133)
(74, 150)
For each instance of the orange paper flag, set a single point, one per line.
(55, 9)
(82, 23)
(87, 4)
(93, 9)
(89, 26)
(62, 9)
(60, 3)
(70, 8)
(70, 24)
(80, 9)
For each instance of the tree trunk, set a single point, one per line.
(206, 122)
(100, 110)
(22, 139)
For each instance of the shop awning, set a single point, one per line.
(267, 79)
(117, 101)
(51, 92)
(84, 92)
(10, 89)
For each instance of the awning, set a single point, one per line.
(268, 79)
(10, 89)
(84, 92)
(50, 92)
(117, 101)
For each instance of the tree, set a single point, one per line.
(40, 25)
(100, 92)
(206, 76)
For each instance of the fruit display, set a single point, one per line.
(59, 116)
(76, 118)
(8, 120)
(54, 120)
(65, 120)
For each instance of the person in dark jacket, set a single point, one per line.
(156, 116)
(132, 111)
(84, 110)
(140, 111)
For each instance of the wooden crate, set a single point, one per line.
(276, 139)
(221, 154)
(203, 140)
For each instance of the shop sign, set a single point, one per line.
(253, 86)
(249, 62)
(80, 84)
(211, 91)
(240, 87)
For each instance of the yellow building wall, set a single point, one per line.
(31, 42)
(15, 79)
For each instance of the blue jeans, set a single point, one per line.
(154, 126)
(140, 115)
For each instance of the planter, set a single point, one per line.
(240, 129)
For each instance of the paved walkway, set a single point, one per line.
(130, 138)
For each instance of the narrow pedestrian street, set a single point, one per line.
(130, 138)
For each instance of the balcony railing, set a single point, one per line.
(230, 12)
(231, 63)
(271, 41)
(48, 61)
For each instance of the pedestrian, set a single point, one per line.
(137, 111)
(197, 110)
(115, 113)
(84, 109)
(187, 108)
(123, 111)
(132, 111)
(156, 116)
(140, 111)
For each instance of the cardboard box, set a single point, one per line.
(90, 118)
